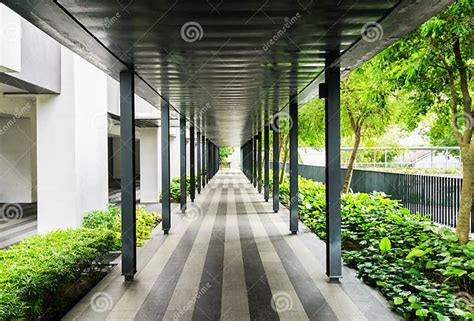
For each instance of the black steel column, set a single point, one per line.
(192, 174)
(251, 145)
(198, 156)
(276, 166)
(208, 160)
(333, 175)
(293, 161)
(127, 174)
(266, 176)
(255, 166)
(165, 166)
(182, 163)
(204, 167)
(259, 162)
(211, 159)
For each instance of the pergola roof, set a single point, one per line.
(223, 64)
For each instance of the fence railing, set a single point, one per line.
(436, 196)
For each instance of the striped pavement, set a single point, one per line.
(229, 257)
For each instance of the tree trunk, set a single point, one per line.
(464, 215)
(350, 165)
(285, 158)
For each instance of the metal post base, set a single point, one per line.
(166, 232)
(294, 232)
(334, 280)
(128, 278)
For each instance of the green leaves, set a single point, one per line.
(415, 253)
(111, 219)
(385, 245)
(397, 300)
(418, 266)
(33, 272)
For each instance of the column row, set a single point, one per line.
(251, 164)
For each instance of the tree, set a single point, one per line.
(367, 112)
(434, 65)
(225, 152)
(364, 102)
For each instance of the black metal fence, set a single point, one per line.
(437, 196)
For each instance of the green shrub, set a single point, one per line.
(33, 272)
(420, 267)
(111, 219)
(175, 189)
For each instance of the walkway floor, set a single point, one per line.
(231, 258)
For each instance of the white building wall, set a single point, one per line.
(149, 155)
(10, 46)
(174, 152)
(72, 146)
(17, 150)
(15, 162)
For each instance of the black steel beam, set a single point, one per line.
(293, 160)
(266, 154)
(127, 174)
(182, 163)
(192, 160)
(333, 174)
(165, 166)
(259, 162)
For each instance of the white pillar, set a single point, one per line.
(174, 152)
(72, 146)
(149, 161)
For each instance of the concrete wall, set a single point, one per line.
(15, 162)
(10, 46)
(17, 150)
(72, 146)
(30, 58)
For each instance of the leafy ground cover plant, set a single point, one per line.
(110, 219)
(41, 275)
(421, 268)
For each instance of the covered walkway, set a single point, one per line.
(230, 257)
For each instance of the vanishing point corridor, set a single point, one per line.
(230, 257)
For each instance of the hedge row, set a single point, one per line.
(33, 272)
(43, 275)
